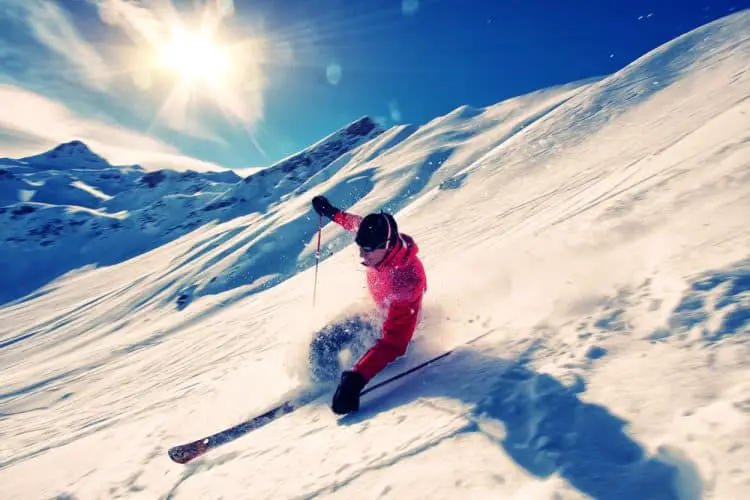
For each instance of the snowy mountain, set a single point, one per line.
(70, 155)
(301, 171)
(75, 204)
(69, 174)
(596, 232)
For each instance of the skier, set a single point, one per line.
(396, 281)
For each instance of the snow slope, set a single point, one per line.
(598, 232)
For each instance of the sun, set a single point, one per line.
(201, 62)
(195, 57)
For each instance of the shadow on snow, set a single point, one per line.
(548, 428)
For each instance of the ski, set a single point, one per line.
(184, 453)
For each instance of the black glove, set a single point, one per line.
(324, 207)
(346, 398)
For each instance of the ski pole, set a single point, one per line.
(317, 259)
(425, 364)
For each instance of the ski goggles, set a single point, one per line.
(369, 249)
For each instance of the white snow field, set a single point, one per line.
(598, 232)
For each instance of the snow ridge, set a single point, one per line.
(70, 201)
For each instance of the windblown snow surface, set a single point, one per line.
(598, 233)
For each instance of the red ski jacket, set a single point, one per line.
(396, 285)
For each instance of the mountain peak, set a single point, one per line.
(73, 154)
(362, 126)
(75, 143)
(74, 147)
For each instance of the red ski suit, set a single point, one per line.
(396, 285)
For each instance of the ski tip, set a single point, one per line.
(177, 456)
(185, 453)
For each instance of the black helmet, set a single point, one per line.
(377, 230)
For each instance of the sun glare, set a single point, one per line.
(204, 64)
(194, 56)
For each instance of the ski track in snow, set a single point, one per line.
(596, 231)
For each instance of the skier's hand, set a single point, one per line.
(346, 398)
(323, 207)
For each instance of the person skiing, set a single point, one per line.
(396, 281)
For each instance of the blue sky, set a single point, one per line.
(284, 73)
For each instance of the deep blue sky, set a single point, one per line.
(402, 61)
